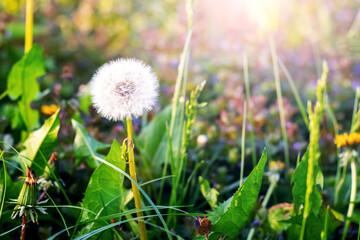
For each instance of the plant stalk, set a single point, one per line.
(23, 227)
(29, 22)
(352, 198)
(132, 169)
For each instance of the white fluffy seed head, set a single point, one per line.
(124, 88)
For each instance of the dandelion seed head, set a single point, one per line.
(124, 88)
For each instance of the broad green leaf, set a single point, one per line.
(3, 176)
(210, 194)
(41, 143)
(104, 187)
(231, 222)
(299, 185)
(22, 82)
(85, 146)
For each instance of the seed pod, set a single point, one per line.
(27, 194)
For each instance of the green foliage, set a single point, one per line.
(40, 144)
(152, 142)
(231, 220)
(105, 193)
(315, 224)
(22, 83)
(298, 180)
(85, 146)
(3, 176)
(210, 194)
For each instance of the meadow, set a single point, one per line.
(179, 119)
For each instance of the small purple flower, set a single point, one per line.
(297, 146)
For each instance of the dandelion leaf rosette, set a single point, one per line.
(22, 83)
(110, 199)
(85, 146)
(40, 144)
(234, 218)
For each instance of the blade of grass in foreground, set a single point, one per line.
(141, 190)
(251, 120)
(280, 102)
(295, 92)
(243, 146)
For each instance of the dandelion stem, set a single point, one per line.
(352, 198)
(23, 228)
(132, 169)
(29, 25)
(340, 183)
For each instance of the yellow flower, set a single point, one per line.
(346, 140)
(49, 109)
(276, 166)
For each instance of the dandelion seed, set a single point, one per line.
(123, 89)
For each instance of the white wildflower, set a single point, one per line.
(124, 88)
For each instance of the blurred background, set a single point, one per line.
(79, 36)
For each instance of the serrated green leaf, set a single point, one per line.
(41, 143)
(210, 194)
(299, 185)
(234, 219)
(85, 146)
(102, 200)
(22, 82)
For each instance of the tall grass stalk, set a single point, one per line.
(280, 101)
(295, 93)
(315, 118)
(251, 120)
(177, 116)
(352, 198)
(29, 22)
(243, 146)
(132, 169)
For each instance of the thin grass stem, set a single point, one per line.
(243, 146)
(250, 115)
(352, 198)
(280, 102)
